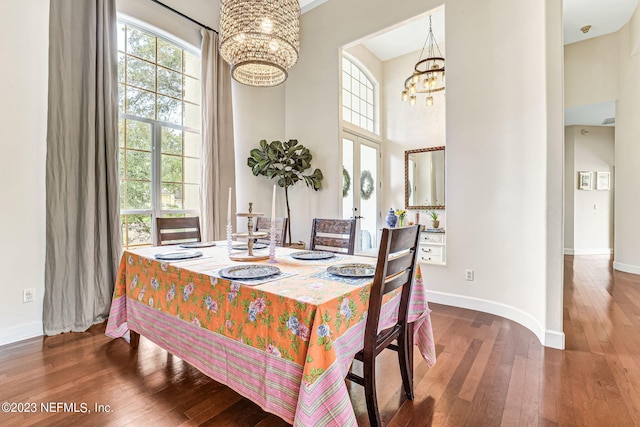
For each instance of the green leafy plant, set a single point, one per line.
(433, 215)
(286, 162)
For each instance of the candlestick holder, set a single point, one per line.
(229, 230)
(272, 243)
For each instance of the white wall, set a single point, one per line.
(408, 128)
(603, 69)
(367, 59)
(258, 113)
(591, 70)
(23, 118)
(570, 184)
(627, 156)
(593, 150)
(504, 145)
(312, 92)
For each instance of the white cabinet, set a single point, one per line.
(432, 248)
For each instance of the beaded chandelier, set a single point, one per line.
(260, 39)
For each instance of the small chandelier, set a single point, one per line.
(260, 39)
(428, 74)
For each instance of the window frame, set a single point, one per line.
(156, 127)
(348, 124)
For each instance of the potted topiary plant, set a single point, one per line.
(285, 162)
(434, 218)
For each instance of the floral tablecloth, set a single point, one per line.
(285, 344)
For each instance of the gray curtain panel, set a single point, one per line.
(218, 161)
(83, 230)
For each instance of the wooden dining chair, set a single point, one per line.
(171, 231)
(334, 235)
(264, 224)
(394, 269)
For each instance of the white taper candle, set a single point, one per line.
(273, 206)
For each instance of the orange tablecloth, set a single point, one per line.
(286, 344)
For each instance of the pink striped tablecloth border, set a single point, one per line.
(270, 381)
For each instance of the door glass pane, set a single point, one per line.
(368, 197)
(347, 178)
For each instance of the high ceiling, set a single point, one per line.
(604, 16)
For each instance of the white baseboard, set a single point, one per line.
(554, 339)
(548, 338)
(20, 332)
(588, 251)
(627, 268)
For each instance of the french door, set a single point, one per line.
(361, 189)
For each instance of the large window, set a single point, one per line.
(359, 96)
(159, 91)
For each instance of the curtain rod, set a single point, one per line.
(184, 16)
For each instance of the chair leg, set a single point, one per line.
(369, 375)
(405, 359)
(134, 339)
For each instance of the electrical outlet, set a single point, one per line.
(29, 295)
(468, 274)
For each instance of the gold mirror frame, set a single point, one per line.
(407, 153)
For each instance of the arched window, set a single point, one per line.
(359, 97)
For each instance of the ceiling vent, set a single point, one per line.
(609, 121)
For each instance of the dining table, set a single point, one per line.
(286, 341)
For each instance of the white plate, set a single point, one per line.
(310, 255)
(244, 247)
(353, 270)
(249, 271)
(197, 245)
(178, 255)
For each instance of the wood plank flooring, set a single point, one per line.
(490, 372)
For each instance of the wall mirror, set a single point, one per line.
(424, 178)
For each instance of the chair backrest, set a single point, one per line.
(171, 231)
(395, 268)
(334, 235)
(264, 224)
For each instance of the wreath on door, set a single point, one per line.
(346, 182)
(366, 185)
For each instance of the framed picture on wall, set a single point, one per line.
(584, 180)
(603, 180)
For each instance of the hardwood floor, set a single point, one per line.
(490, 372)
